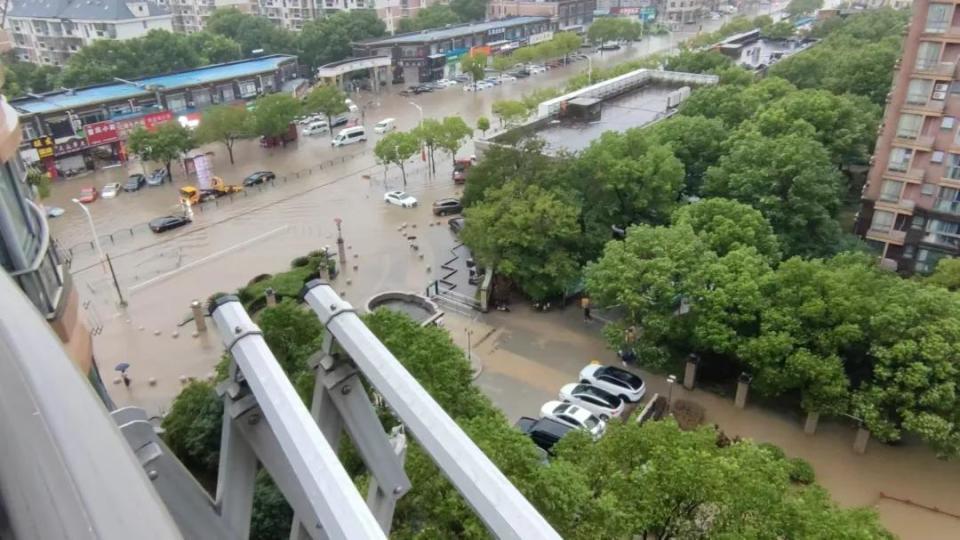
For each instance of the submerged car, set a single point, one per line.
(88, 195)
(166, 223)
(110, 190)
(259, 177)
(450, 205)
(400, 198)
(158, 177)
(135, 182)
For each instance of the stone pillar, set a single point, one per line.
(271, 297)
(743, 387)
(860, 442)
(690, 374)
(198, 319)
(810, 426)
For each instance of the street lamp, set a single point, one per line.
(419, 108)
(469, 347)
(589, 70)
(93, 230)
(671, 380)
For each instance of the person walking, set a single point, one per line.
(585, 304)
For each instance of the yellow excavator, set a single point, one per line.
(194, 195)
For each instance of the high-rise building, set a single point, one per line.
(191, 15)
(911, 202)
(30, 256)
(51, 31)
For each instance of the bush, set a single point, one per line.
(212, 301)
(801, 472)
(300, 262)
(773, 449)
(259, 278)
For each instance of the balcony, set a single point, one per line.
(923, 142)
(902, 206)
(946, 206)
(929, 108)
(43, 280)
(888, 236)
(910, 176)
(938, 69)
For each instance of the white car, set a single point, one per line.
(110, 190)
(307, 120)
(351, 106)
(400, 198)
(316, 128)
(535, 69)
(573, 416)
(596, 400)
(618, 382)
(508, 78)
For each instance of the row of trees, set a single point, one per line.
(448, 134)
(230, 35)
(440, 15)
(605, 29)
(670, 484)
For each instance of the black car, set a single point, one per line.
(135, 182)
(519, 73)
(446, 206)
(456, 224)
(166, 223)
(340, 121)
(259, 177)
(544, 432)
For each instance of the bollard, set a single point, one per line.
(198, 318)
(810, 425)
(271, 296)
(690, 373)
(743, 387)
(861, 440)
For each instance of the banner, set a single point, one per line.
(101, 133)
(43, 145)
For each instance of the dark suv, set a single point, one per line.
(544, 432)
(446, 206)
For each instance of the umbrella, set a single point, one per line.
(122, 367)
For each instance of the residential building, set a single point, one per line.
(86, 127)
(434, 54)
(567, 15)
(911, 202)
(390, 11)
(677, 12)
(51, 31)
(191, 15)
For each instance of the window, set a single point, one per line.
(248, 89)
(177, 102)
(890, 190)
(948, 200)
(938, 18)
(941, 232)
(947, 122)
(927, 260)
(918, 91)
(928, 55)
(909, 126)
(882, 221)
(13, 206)
(908, 251)
(936, 157)
(928, 189)
(953, 167)
(900, 159)
(917, 223)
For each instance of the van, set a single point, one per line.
(385, 125)
(349, 136)
(317, 127)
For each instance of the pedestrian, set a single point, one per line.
(585, 304)
(126, 379)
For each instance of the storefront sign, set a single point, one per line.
(153, 120)
(70, 147)
(43, 145)
(539, 38)
(480, 50)
(149, 122)
(626, 11)
(496, 31)
(101, 133)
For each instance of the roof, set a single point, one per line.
(63, 100)
(453, 31)
(100, 10)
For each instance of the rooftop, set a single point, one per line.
(95, 10)
(454, 31)
(80, 97)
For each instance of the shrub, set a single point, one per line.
(300, 262)
(259, 278)
(801, 472)
(774, 450)
(212, 301)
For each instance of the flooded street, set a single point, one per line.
(525, 356)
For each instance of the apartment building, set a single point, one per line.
(573, 15)
(191, 15)
(50, 31)
(911, 202)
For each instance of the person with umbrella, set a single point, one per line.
(122, 367)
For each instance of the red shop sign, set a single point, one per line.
(152, 120)
(101, 133)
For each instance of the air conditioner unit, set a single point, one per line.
(940, 95)
(936, 157)
(941, 87)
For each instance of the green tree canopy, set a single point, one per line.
(691, 61)
(696, 141)
(167, 142)
(327, 100)
(273, 114)
(483, 124)
(252, 32)
(396, 148)
(470, 10)
(724, 225)
(803, 7)
(474, 64)
(328, 39)
(224, 124)
(614, 28)
(779, 30)
(946, 274)
(192, 427)
(510, 111)
(434, 16)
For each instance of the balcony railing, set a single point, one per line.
(923, 142)
(929, 107)
(911, 176)
(902, 206)
(942, 69)
(42, 281)
(891, 236)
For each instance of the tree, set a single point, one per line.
(251, 32)
(791, 180)
(483, 124)
(428, 133)
(453, 133)
(165, 143)
(474, 64)
(735, 104)
(510, 111)
(946, 274)
(292, 333)
(434, 16)
(779, 30)
(696, 141)
(803, 7)
(527, 234)
(397, 147)
(39, 181)
(327, 100)
(192, 427)
(524, 162)
(469, 10)
(273, 114)
(613, 29)
(690, 61)
(724, 226)
(214, 48)
(101, 61)
(224, 124)
(328, 39)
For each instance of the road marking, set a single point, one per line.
(134, 288)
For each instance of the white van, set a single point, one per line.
(385, 125)
(349, 136)
(316, 127)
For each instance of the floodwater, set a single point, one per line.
(414, 311)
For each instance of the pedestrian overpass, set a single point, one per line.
(71, 469)
(376, 67)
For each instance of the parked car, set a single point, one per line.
(54, 211)
(519, 73)
(506, 77)
(385, 125)
(493, 81)
(259, 177)
(456, 224)
(618, 382)
(535, 69)
(610, 46)
(399, 198)
(351, 106)
(166, 223)
(135, 182)
(594, 399)
(341, 120)
(110, 190)
(544, 432)
(158, 177)
(462, 78)
(573, 416)
(88, 195)
(349, 135)
(446, 206)
(307, 120)
(316, 128)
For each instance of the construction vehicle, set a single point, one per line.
(194, 195)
